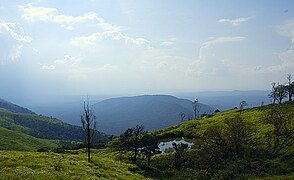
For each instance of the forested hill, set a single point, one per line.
(13, 107)
(152, 111)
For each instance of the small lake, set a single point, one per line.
(167, 147)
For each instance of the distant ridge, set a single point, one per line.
(13, 107)
(153, 111)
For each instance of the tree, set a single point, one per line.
(149, 147)
(182, 116)
(196, 108)
(273, 93)
(180, 155)
(281, 135)
(130, 140)
(290, 87)
(281, 92)
(88, 120)
(243, 104)
(278, 93)
(138, 132)
(239, 133)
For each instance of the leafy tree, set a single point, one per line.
(196, 108)
(130, 140)
(149, 147)
(281, 135)
(88, 120)
(180, 155)
(238, 134)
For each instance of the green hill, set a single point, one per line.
(42, 127)
(193, 128)
(235, 144)
(11, 140)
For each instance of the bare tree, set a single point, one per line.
(290, 87)
(273, 94)
(196, 108)
(88, 120)
(182, 115)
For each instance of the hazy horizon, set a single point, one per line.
(56, 48)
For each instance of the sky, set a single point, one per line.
(76, 47)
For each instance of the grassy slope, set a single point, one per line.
(74, 165)
(193, 128)
(42, 127)
(11, 140)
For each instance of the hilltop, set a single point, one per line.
(152, 111)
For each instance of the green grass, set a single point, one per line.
(71, 165)
(193, 128)
(11, 140)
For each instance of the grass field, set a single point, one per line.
(70, 165)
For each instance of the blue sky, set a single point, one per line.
(134, 46)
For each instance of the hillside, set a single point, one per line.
(153, 111)
(11, 140)
(72, 165)
(251, 143)
(13, 107)
(42, 127)
(194, 128)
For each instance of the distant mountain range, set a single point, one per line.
(153, 111)
(123, 111)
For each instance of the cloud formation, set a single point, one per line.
(287, 29)
(234, 22)
(209, 44)
(15, 30)
(40, 13)
(207, 63)
(113, 35)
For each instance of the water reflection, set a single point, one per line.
(167, 147)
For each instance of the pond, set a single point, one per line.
(167, 147)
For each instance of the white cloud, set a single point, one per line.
(209, 44)
(48, 67)
(15, 52)
(207, 63)
(286, 64)
(113, 35)
(15, 30)
(234, 22)
(167, 43)
(287, 29)
(67, 60)
(33, 13)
